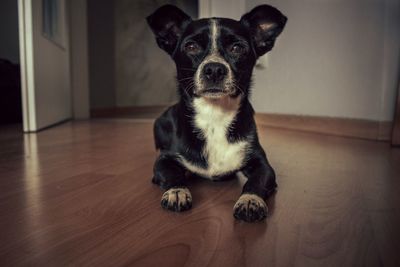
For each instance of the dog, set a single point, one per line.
(211, 131)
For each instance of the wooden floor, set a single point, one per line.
(79, 194)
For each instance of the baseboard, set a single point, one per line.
(365, 129)
(128, 112)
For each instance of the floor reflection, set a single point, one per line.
(33, 197)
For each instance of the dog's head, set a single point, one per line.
(215, 57)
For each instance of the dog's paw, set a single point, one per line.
(177, 199)
(250, 208)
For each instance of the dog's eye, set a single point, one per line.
(237, 49)
(192, 47)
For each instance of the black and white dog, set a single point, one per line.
(211, 132)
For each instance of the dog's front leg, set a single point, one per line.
(261, 183)
(170, 175)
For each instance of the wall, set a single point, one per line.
(9, 47)
(145, 75)
(126, 67)
(335, 58)
(101, 42)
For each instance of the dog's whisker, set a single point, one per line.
(190, 86)
(238, 87)
(185, 79)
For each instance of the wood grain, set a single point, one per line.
(79, 194)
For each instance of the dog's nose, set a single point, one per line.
(215, 72)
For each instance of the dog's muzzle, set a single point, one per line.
(214, 80)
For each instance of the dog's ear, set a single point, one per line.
(167, 24)
(265, 24)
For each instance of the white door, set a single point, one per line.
(45, 66)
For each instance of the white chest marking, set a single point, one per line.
(213, 120)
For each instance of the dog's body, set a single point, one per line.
(211, 132)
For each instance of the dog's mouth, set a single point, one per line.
(213, 92)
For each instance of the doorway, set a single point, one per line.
(10, 80)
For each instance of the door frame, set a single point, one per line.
(26, 63)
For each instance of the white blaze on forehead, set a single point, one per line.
(214, 36)
(213, 56)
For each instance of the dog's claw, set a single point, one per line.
(177, 199)
(250, 208)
